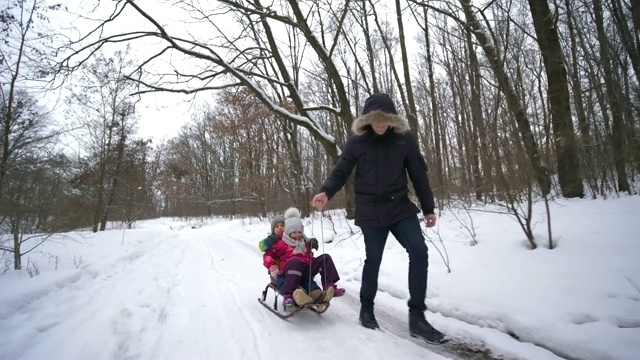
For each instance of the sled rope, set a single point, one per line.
(313, 217)
(324, 258)
(313, 234)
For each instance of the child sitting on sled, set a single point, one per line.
(297, 262)
(309, 292)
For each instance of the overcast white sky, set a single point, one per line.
(161, 114)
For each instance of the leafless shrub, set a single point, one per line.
(79, 262)
(7, 264)
(444, 255)
(465, 223)
(32, 268)
(52, 258)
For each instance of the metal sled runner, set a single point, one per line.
(318, 308)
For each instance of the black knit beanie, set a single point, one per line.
(380, 102)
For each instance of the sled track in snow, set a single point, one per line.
(456, 348)
(462, 349)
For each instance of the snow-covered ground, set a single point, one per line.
(173, 289)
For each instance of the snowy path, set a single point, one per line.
(187, 295)
(187, 289)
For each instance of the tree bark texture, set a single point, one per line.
(568, 164)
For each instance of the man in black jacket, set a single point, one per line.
(383, 152)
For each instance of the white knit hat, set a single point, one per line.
(292, 221)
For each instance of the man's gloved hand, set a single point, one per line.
(313, 242)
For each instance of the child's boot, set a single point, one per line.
(328, 295)
(288, 303)
(301, 298)
(316, 295)
(337, 292)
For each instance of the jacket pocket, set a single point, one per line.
(365, 208)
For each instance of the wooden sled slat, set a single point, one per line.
(274, 309)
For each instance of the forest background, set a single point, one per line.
(513, 102)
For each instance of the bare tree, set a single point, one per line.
(22, 58)
(586, 141)
(491, 97)
(31, 186)
(513, 100)
(215, 63)
(132, 198)
(559, 100)
(107, 117)
(613, 90)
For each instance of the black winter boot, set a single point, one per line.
(367, 319)
(419, 327)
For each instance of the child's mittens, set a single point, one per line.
(313, 242)
(270, 241)
(274, 271)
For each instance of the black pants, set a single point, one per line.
(409, 235)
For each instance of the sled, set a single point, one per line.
(318, 308)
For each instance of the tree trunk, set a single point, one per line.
(603, 154)
(635, 14)
(514, 103)
(495, 147)
(412, 112)
(586, 142)
(114, 181)
(102, 175)
(370, 54)
(626, 35)
(97, 213)
(15, 72)
(439, 180)
(613, 95)
(332, 72)
(17, 251)
(558, 96)
(480, 139)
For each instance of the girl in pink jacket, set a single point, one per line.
(297, 262)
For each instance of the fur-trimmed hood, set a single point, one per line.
(398, 123)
